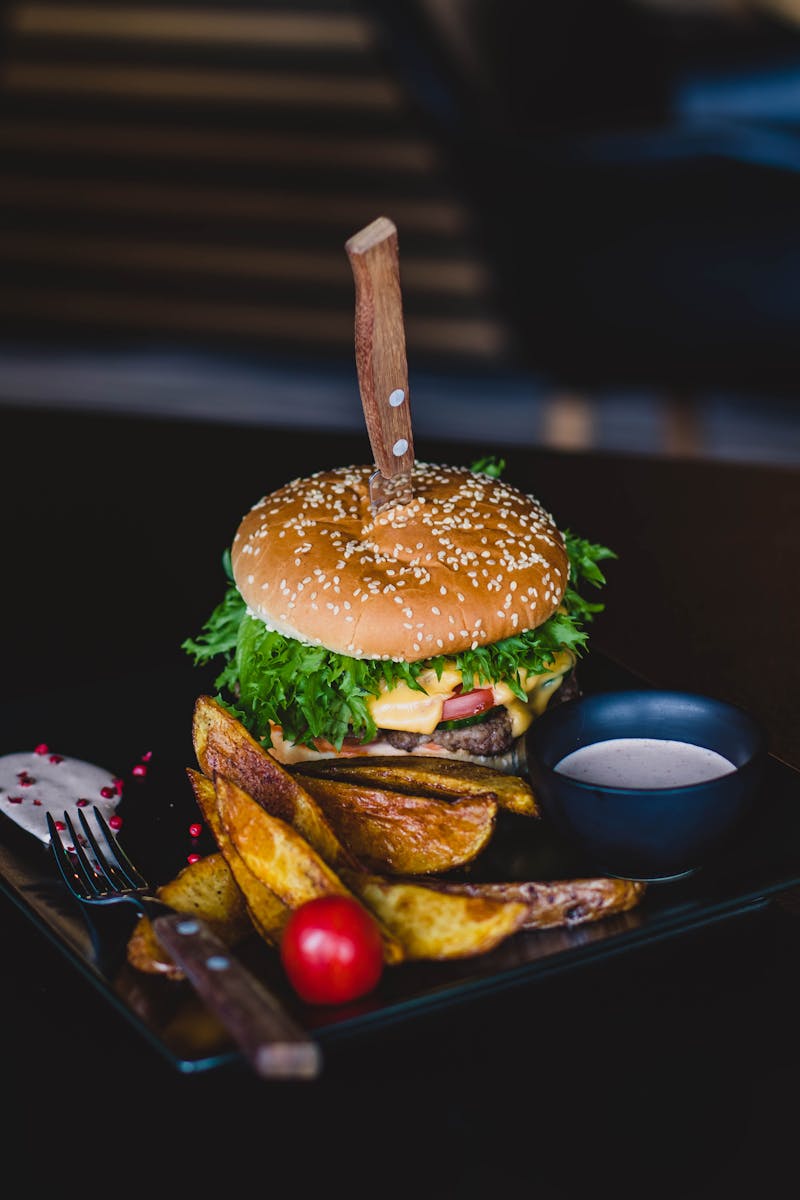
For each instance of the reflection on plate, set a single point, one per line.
(158, 808)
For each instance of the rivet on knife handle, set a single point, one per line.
(380, 347)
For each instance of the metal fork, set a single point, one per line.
(267, 1036)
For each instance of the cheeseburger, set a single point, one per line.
(441, 626)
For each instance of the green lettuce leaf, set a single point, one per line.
(490, 465)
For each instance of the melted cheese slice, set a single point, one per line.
(407, 709)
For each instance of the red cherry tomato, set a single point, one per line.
(467, 704)
(332, 950)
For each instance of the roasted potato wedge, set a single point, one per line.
(338, 827)
(416, 922)
(281, 857)
(436, 924)
(363, 829)
(402, 834)
(421, 774)
(267, 911)
(205, 888)
(223, 747)
(560, 902)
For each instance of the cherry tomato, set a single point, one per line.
(467, 704)
(331, 950)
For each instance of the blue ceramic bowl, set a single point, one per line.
(646, 833)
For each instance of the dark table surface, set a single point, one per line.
(664, 1069)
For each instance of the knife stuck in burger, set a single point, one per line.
(398, 607)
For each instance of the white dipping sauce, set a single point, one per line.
(33, 784)
(644, 763)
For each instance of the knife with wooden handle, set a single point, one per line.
(380, 345)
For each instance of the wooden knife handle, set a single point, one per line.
(381, 346)
(267, 1036)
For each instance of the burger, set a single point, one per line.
(441, 626)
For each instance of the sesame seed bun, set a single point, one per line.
(469, 561)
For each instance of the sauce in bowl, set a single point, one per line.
(645, 763)
(646, 783)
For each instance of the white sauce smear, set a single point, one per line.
(644, 763)
(33, 784)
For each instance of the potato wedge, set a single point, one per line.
(403, 834)
(205, 888)
(561, 902)
(267, 911)
(281, 857)
(223, 747)
(424, 775)
(416, 922)
(435, 924)
(338, 827)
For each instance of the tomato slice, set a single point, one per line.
(467, 704)
(350, 746)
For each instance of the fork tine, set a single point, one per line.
(89, 872)
(134, 877)
(116, 878)
(72, 878)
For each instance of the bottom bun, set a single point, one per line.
(513, 761)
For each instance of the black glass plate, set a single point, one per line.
(135, 722)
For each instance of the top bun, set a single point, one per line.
(469, 561)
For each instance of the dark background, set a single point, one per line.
(664, 1070)
(599, 251)
(595, 203)
(634, 169)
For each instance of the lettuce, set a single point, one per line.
(313, 693)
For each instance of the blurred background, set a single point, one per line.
(597, 204)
